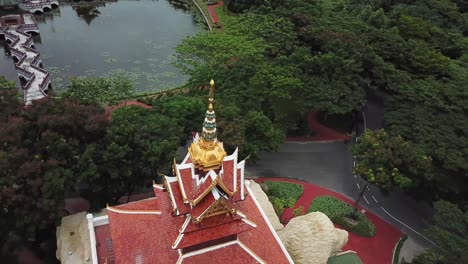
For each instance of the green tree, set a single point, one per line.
(9, 101)
(138, 143)
(449, 230)
(386, 161)
(39, 148)
(211, 50)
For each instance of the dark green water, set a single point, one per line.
(131, 38)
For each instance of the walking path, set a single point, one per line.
(111, 109)
(27, 59)
(372, 250)
(211, 9)
(322, 132)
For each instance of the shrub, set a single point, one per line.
(282, 194)
(337, 210)
(287, 191)
(278, 205)
(396, 254)
(298, 211)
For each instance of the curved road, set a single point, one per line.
(329, 164)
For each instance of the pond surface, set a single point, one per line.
(131, 38)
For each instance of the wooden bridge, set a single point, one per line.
(34, 79)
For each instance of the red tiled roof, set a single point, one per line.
(150, 237)
(257, 238)
(148, 232)
(239, 255)
(104, 246)
(210, 222)
(213, 233)
(237, 196)
(228, 174)
(186, 181)
(202, 206)
(181, 207)
(145, 238)
(199, 190)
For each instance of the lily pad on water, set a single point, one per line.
(111, 60)
(105, 54)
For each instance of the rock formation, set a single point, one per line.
(266, 206)
(312, 238)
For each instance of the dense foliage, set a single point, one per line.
(449, 230)
(387, 161)
(39, 148)
(292, 57)
(337, 210)
(282, 194)
(59, 148)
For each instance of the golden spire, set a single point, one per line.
(211, 96)
(208, 153)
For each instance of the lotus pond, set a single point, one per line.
(136, 39)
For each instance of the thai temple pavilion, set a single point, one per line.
(206, 213)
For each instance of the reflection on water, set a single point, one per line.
(88, 13)
(131, 38)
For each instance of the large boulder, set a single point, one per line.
(312, 238)
(73, 244)
(267, 207)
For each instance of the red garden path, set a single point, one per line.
(322, 132)
(372, 250)
(111, 109)
(214, 16)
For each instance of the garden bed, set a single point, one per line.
(282, 194)
(339, 212)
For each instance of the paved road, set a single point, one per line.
(329, 164)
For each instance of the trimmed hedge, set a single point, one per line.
(396, 254)
(337, 210)
(283, 194)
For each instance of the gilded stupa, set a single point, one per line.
(208, 153)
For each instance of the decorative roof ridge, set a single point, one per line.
(187, 156)
(167, 182)
(221, 184)
(204, 250)
(158, 186)
(219, 246)
(181, 232)
(233, 156)
(219, 200)
(208, 189)
(245, 219)
(124, 211)
(241, 166)
(265, 218)
(251, 253)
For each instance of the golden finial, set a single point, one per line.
(211, 95)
